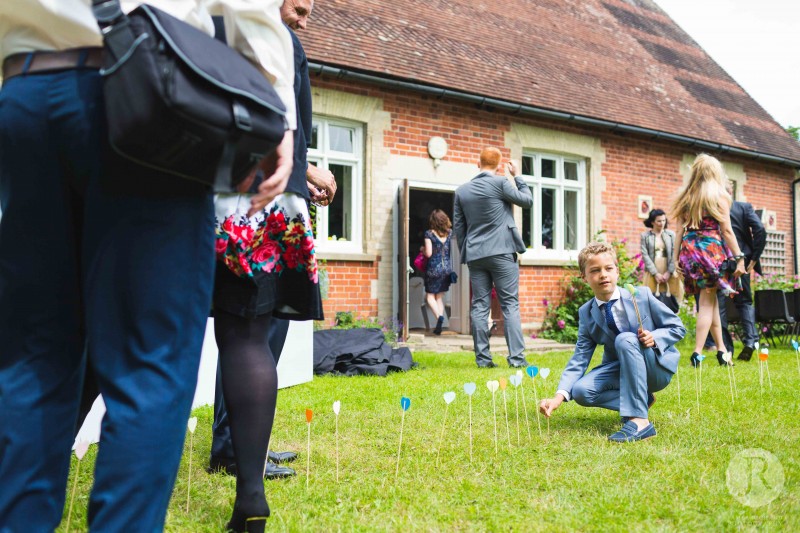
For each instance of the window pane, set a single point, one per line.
(548, 217)
(527, 165)
(340, 212)
(314, 136)
(341, 139)
(570, 170)
(548, 168)
(527, 222)
(570, 220)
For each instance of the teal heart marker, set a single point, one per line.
(405, 403)
(532, 371)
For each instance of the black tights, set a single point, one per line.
(250, 389)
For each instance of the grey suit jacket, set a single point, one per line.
(483, 217)
(749, 232)
(649, 250)
(666, 327)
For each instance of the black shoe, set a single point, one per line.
(746, 354)
(693, 359)
(242, 522)
(651, 399)
(439, 323)
(523, 364)
(223, 465)
(281, 457)
(490, 364)
(274, 471)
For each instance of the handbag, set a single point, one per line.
(179, 101)
(453, 277)
(666, 298)
(421, 262)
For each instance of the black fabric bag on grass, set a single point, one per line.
(358, 351)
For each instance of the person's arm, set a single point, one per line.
(676, 247)
(649, 265)
(428, 247)
(324, 182)
(759, 235)
(459, 226)
(726, 231)
(519, 193)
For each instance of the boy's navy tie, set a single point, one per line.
(610, 317)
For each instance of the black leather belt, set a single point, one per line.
(39, 62)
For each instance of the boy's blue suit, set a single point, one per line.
(629, 371)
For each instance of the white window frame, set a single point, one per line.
(536, 182)
(323, 156)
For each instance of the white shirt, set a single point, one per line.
(253, 27)
(620, 317)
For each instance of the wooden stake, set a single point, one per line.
(494, 410)
(400, 447)
(72, 497)
(441, 437)
(337, 448)
(508, 428)
(470, 428)
(516, 411)
(525, 408)
(189, 482)
(538, 416)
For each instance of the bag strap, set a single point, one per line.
(115, 27)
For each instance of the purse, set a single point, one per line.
(179, 101)
(421, 262)
(666, 298)
(453, 277)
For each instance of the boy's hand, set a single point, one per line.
(548, 405)
(646, 338)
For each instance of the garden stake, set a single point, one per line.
(80, 450)
(727, 358)
(532, 371)
(337, 405)
(544, 373)
(469, 390)
(634, 292)
(503, 385)
(192, 425)
(515, 380)
(525, 409)
(492, 386)
(448, 398)
(678, 380)
(405, 403)
(309, 416)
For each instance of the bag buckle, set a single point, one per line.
(241, 117)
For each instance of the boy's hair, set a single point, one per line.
(490, 157)
(592, 249)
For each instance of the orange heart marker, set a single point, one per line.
(309, 415)
(763, 356)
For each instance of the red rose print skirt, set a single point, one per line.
(267, 262)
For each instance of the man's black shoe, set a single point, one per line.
(274, 471)
(490, 364)
(224, 465)
(746, 354)
(281, 457)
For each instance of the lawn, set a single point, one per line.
(570, 478)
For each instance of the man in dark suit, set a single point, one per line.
(483, 223)
(752, 237)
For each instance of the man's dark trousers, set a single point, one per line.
(744, 304)
(133, 271)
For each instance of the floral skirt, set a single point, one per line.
(701, 256)
(268, 259)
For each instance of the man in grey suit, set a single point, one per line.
(639, 358)
(752, 237)
(483, 223)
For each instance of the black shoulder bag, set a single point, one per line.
(182, 102)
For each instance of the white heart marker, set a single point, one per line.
(544, 372)
(493, 385)
(727, 357)
(469, 388)
(515, 380)
(192, 424)
(519, 373)
(756, 345)
(765, 350)
(337, 406)
(449, 397)
(81, 448)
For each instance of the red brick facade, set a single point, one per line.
(632, 166)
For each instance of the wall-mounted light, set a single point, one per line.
(437, 149)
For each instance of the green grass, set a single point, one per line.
(568, 479)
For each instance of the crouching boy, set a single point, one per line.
(637, 361)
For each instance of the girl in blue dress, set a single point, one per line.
(437, 272)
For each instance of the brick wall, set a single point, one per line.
(632, 166)
(350, 289)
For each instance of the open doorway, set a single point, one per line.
(421, 203)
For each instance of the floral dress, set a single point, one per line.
(702, 253)
(272, 252)
(437, 273)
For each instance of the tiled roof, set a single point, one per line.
(623, 61)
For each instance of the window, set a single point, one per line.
(336, 146)
(554, 227)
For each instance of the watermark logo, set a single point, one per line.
(755, 477)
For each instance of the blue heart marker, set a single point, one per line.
(405, 403)
(532, 371)
(701, 357)
(469, 388)
(796, 345)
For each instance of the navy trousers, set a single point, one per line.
(94, 255)
(221, 443)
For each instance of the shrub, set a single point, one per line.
(774, 281)
(391, 327)
(561, 318)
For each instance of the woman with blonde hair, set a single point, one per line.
(708, 248)
(439, 268)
